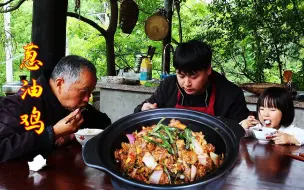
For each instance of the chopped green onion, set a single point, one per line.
(169, 135)
(165, 144)
(172, 128)
(188, 137)
(158, 126)
(167, 172)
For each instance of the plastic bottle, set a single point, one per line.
(145, 70)
(91, 100)
(138, 61)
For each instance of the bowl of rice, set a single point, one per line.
(83, 135)
(264, 135)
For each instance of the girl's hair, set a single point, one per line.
(192, 56)
(281, 99)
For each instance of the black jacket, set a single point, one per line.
(229, 98)
(15, 141)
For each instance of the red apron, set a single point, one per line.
(208, 110)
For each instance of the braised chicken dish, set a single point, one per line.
(167, 154)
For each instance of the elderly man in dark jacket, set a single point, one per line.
(65, 91)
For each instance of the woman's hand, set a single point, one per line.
(249, 122)
(283, 138)
(148, 106)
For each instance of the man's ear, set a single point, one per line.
(209, 70)
(59, 84)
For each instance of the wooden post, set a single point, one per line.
(167, 40)
(49, 32)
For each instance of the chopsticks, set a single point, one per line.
(296, 155)
(72, 118)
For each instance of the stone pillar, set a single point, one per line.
(8, 45)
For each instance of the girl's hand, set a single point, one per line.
(249, 122)
(283, 138)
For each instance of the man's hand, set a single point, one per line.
(62, 128)
(65, 140)
(249, 122)
(148, 106)
(283, 138)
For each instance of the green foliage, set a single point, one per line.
(127, 46)
(21, 25)
(2, 40)
(86, 41)
(256, 39)
(193, 17)
(2, 76)
(252, 41)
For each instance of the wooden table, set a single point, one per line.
(259, 166)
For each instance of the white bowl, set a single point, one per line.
(83, 135)
(262, 134)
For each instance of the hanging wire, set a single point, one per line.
(177, 7)
(77, 7)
